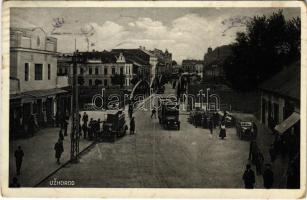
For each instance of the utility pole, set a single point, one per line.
(75, 120)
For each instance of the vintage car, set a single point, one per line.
(168, 113)
(115, 125)
(246, 129)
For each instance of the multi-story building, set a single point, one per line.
(280, 111)
(98, 68)
(164, 65)
(36, 88)
(213, 62)
(193, 66)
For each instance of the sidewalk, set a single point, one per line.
(39, 155)
(264, 141)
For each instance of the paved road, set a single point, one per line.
(155, 158)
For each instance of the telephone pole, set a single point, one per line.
(75, 120)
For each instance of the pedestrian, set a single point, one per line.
(64, 125)
(249, 177)
(223, 131)
(84, 129)
(59, 149)
(268, 177)
(85, 118)
(57, 116)
(61, 136)
(132, 126)
(130, 110)
(91, 129)
(210, 126)
(18, 159)
(272, 153)
(31, 125)
(259, 162)
(153, 113)
(14, 183)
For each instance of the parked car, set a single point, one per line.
(246, 129)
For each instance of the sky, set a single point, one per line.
(185, 32)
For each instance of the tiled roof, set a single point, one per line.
(285, 83)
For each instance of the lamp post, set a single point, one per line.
(75, 120)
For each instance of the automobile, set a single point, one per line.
(168, 113)
(115, 125)
(246, 129)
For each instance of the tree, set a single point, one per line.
(268, 44)
(118, 79)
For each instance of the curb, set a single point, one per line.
(64, 164)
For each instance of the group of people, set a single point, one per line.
(250, 180)
(91, 129)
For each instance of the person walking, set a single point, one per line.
(59, 149)
(210, 126)
(268, 177)
(130, 110)
(223, 131)
(85, 118)
(64, 125)
(132, 126)
(153, 113)
(259, 162)
(31, 125)
(18, 159)
(84, 129)
(249, 177)
(61, 136)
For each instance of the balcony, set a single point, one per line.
(62, 81)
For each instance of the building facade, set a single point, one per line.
(35, 87)
(193, 66)
(164, 64)
(213, 62)
(280, 111)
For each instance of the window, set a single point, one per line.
(26, 71)
(90, 82)
(105, 82)
(81, 70)
(121, 70)
(66, 71)
(38, 41)
(49, 71)
(96, 70)
(113, 71)
(38, 71)
(60, 71)
(90, 70)
(105, 71)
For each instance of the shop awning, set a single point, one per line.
(287, 123)
(44, 93)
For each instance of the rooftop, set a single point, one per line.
(286, 83)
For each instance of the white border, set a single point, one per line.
(137, 192)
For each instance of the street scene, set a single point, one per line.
(155, 98)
